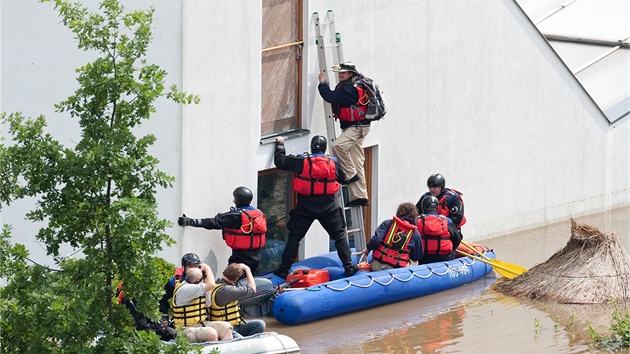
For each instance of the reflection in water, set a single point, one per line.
(403, 327)
(479, 319)
(441, 330)
(430, 335)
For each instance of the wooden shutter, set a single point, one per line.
(281, 65)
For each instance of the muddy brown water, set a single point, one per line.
(473, 318)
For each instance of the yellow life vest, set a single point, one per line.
(191, 314)
(230, 312)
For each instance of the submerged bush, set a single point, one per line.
(619, 337)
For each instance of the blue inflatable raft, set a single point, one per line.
(368, 289)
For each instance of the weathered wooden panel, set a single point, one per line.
(280, 67)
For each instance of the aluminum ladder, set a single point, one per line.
(355, 229)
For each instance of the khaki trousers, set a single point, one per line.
(348, 148)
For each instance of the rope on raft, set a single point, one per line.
(469, 262)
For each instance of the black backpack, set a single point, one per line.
(376, 107)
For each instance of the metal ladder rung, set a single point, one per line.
(331, 46)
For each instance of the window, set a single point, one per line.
(281, 65)
(275, 199)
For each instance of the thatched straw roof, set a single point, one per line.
(592, 268)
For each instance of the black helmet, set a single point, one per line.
(436, 180)
(242, 196)
(318, 143)
(190, 259)
(430, 203)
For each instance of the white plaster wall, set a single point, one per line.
(473, 92)
(220, 136)
(39, 58)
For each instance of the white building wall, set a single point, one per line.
(220, 136)
(38, 63)
(473, 91)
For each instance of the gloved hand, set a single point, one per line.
(186, 221)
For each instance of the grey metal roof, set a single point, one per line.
(592, 37)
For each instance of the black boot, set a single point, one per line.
(351, 270)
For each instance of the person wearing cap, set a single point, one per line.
(317, 180)
(243, 228)
(440, 236)
(349, 104)
(450, 200)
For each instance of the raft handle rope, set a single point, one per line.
(449, 270)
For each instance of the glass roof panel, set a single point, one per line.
(576, 55)
(591, 19)
(609, 88)
(582, 32)
(537, 9)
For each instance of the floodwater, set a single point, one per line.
(473, 318)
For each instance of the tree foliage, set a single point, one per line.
(97, 197)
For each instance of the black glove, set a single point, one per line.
(186, 221)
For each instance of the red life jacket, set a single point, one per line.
(443, 208)
(179, 273)
(178, 276)
(251, 234)
(394, 248)
(355, 112)
(120, 294)
(435, 236)
(318, 177)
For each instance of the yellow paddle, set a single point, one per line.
(514, 267)
(503, 271)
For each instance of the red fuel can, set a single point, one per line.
(308, 277)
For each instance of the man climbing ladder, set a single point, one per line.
(348, 148)
(349, 104)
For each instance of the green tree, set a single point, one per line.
(97, 196)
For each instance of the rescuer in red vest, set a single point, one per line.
(244, 229)
(317, 181)
(440, 236)
(396, 241)
(349, 104)
(450, 200)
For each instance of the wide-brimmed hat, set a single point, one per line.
(345, 67)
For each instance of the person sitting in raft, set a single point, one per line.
(440, 236)
(396, 242)
(225, 300)
(191, 307)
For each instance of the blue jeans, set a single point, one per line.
(251, 327)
